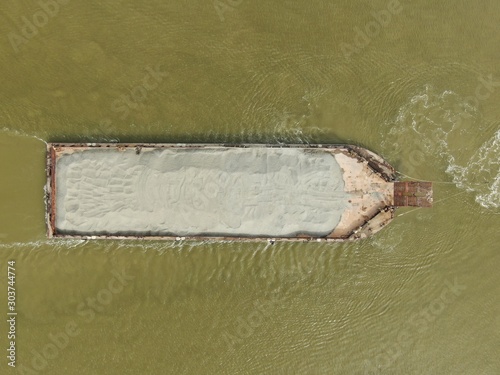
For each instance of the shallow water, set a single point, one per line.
(421, 90)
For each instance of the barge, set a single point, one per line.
(248, 192)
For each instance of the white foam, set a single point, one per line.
(482, 173)
(19, 133)
(56, 244)
(441, 131)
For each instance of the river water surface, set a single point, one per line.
(416, 81)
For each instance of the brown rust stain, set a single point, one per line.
(413, 194)
(367, 178)
(52, 191)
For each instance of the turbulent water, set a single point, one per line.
(417, 82)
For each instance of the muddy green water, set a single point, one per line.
(422, 89)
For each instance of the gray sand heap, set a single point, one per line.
(184, 192)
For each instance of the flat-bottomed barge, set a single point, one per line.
(226, 192)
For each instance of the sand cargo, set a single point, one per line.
(229, 192)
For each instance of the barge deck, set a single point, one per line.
(225, 192)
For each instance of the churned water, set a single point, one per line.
(417, 82)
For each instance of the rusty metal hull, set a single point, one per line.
(364, 172)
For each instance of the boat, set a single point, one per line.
(236, 192)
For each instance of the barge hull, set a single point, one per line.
(88, 202)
